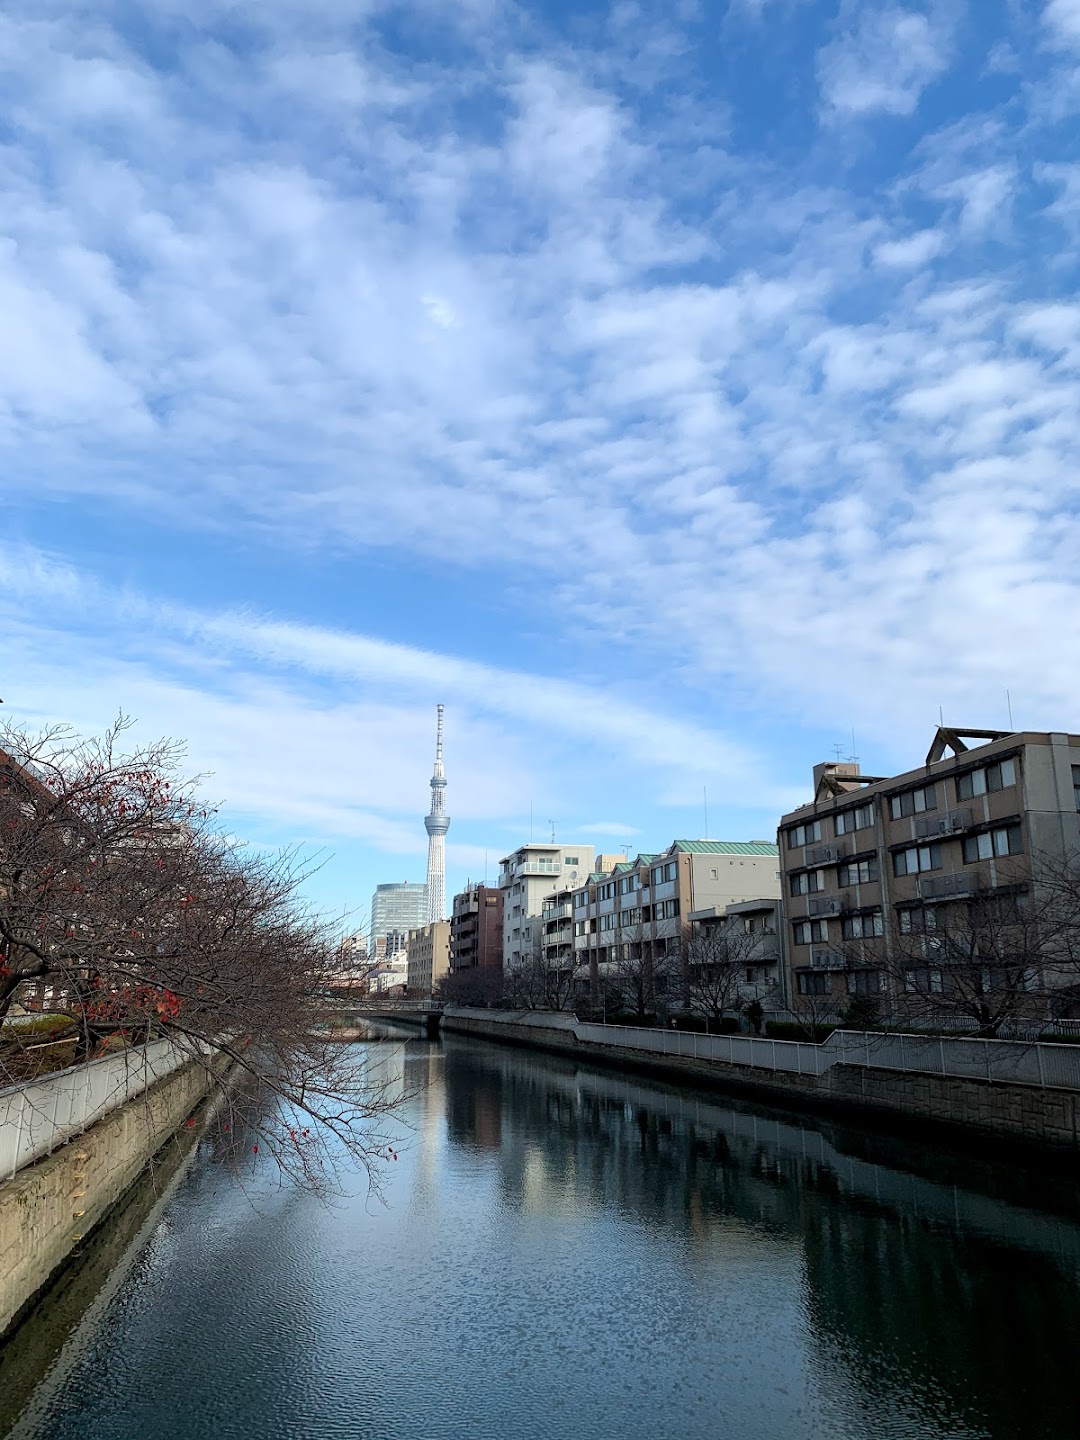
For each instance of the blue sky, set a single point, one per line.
(669, 389)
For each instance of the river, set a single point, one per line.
(568, 1252)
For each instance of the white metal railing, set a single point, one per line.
(1016, 1062)
(1000, 1061)
(41, 1114)
(791, 1056)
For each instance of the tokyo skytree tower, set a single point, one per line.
(436, 823)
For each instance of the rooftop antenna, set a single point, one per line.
(1008, 702)
(838, 751)
(552, 824)
(705, 800)
(940, 716)
(854, 752)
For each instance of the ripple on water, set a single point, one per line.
(564, 1253)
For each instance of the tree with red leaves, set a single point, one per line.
(125, 903)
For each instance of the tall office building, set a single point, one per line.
(437, 823)
(395, 910)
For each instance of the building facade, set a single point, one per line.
(396, 909)
(870, 863)
(428, 958)
(647, 901)
(751, 931)
(476, 930)
(526, 878)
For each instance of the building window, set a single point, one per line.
(811, 983)
(912, 802)
(806, 834)
(1076, 786)
(858, 872)
(570, 860)
(810, 932)
(862, 927)
(861, 817)
(993, 844)
(916, 860)
(667, 909)
(986, 780)
(808, 882)
(865, 982)
(918, 920)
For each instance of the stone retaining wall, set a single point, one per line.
(1026, 1114)
(47, 1208)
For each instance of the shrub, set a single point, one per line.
(795, 1030)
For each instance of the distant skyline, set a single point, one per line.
(671, 389)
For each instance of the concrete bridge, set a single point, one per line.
(347, 1022)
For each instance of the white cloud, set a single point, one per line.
(911, 252)
(1062, 18)
(723, 414)
(883, 62)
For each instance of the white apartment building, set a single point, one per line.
(526, 878)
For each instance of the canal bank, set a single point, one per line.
(904, 1080)
(567, 1253)
(49, 1206)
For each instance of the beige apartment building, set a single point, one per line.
(429, 958)
(647, 901)
(871, 857)
(526, 879)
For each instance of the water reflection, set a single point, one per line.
(570, 1252)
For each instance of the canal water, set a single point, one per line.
(565, 1252)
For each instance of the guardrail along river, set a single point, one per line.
(571, 1253)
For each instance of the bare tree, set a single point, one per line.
(715, 960)
(987, 959)
(643, 971)
(480, 985)
(539, 981)
(123, 900)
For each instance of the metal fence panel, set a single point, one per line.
(37, 1117)
(998, 1061)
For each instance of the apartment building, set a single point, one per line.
(648, 900)
(754, 932)
(526, 878)
(871, 858)
(428, 958)
(476, 929)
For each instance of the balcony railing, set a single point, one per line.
(824, 905)
(940, 887)
(826, 960)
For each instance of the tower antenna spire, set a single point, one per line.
(437, 823)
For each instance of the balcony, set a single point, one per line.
(824, 905)
(825, 854)
(927, 826)
(941, 887)
(557, 912)
(826, 960)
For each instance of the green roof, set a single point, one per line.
(725, 847)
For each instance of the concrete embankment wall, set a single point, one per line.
(47, 1208)
(1025, 1114)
